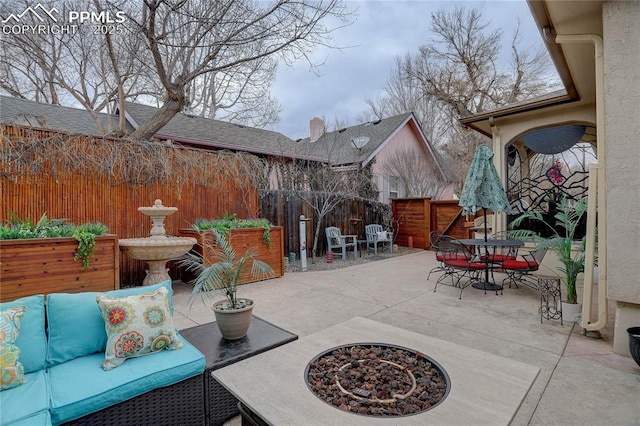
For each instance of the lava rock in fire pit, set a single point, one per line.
(377, 379)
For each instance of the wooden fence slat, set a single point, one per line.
(90, 198)
(417, 217)
(285, 207)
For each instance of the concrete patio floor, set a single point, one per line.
(581, 380)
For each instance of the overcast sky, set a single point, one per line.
(381, 31)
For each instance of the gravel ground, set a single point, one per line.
(321, 264)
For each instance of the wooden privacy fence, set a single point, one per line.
(417, 217)
(87, 179)
(283, 208)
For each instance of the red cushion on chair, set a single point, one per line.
(495, 258)
(464, 264)
(519, 264)
(452, 256)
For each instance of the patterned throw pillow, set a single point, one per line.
(137, 325)
(12, 369)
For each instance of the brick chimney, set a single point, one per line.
(316, 129)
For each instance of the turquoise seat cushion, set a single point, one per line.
(76, 327)
(27, 403)
(39, 419)
(31, 340)
(80, 386)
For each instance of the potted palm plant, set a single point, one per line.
(221, 274)
(265, 239)
(571, 255)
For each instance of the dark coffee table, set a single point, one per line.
(220, 404)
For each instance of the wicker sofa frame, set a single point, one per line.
(199, 400)
(179, 404)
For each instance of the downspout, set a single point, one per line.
(500, 219)
(596, 194)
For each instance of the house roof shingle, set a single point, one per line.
(21, 112)
(182, 128)
(206, 132)
(336, 145)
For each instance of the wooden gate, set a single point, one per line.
(417, 217)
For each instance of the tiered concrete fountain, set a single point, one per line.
(158, 248)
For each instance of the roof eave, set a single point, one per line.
(429, 147)
(366, 160)
(542, 19)
(473, 120)
(234, 147)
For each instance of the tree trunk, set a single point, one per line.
(174, 104)
(315, 239)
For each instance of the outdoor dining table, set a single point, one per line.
(487, 244)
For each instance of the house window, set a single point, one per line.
(394, 185)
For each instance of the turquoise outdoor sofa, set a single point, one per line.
(66, 383)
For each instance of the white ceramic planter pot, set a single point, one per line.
(571, 312)
(233, 324)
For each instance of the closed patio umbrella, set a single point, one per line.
(483, 190)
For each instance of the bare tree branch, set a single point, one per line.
(323, 186)
(204, 37)
(418, 177)
(217, 58)
(456, 75)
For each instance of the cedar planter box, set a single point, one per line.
(46, 265)
(242, 239)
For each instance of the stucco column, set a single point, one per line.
(622, 70)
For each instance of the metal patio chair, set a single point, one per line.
(434, 237)
(460, 264)
(500, 254)
(520, 269)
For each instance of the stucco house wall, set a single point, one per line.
(622, 132)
